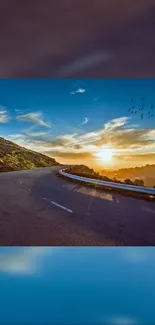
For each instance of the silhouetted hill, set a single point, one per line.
(15, 157)
(146, 173)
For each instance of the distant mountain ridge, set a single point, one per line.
(14, 157)
(147, 173)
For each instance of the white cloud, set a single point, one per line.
(34, 117)
(78, 91)
(85, 121)
(23, 260)
(4, 118)
(116, 123)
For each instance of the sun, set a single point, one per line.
(106, 154)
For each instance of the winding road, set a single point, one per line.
(39, 208)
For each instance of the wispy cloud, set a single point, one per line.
(70, 155)
(116, 123)
(34, 117)
(23, 260)
(78, 91)
(85, 121)
(4, 117)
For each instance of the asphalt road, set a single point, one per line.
(38, 208)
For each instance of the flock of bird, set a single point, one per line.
(141, 109)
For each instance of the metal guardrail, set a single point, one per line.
(134, 188)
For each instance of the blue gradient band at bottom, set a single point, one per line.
(77, 285)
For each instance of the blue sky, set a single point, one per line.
(78, 109)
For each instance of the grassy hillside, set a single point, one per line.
(14, 157)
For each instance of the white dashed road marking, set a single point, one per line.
(58, 205)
